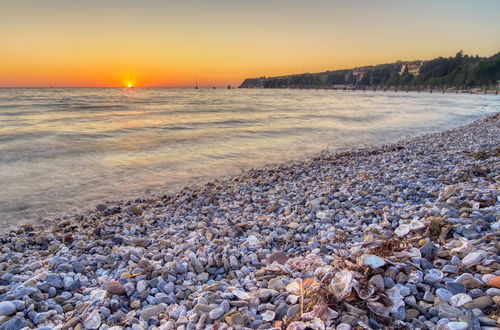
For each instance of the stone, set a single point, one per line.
(474, 258)
(411, 314)
(142, 286)
(238, 319)
(276, 284)
(481, 303)
(448, 312)
(349, 319)
(115, 288)
(252, 240)
(278, 256)
(472, 321)
(151, 311)
(449, 191)
(15, 323)
(402, 230)
(455, 287)
(457, 325)
(494, 282)
(7, 308)
(97, 296)
(294, 288)
(444, 294)
(93, 321)
(197, 266)
(344, 326)
(268, 316)
(460, 299)
(293, 310)
(378, 281)
(55, 281)
(372, 261)
(216, 313)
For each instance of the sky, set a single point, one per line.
(162, 43)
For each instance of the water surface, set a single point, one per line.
(66, 149)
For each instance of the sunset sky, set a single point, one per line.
(170, 43)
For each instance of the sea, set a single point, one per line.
(64, 150)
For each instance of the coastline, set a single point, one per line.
(403, 220)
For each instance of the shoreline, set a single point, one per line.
(402, 221)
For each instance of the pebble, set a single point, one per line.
(372, 261)
(216, 313)
(7, 308)
(460, 299)
(457, 325)
(93, 321)
(474, 258)
(116, 288)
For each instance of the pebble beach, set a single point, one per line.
(400, 236)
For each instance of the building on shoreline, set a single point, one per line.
(411, 68)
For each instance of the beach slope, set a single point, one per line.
(403, 235)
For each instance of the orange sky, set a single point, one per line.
(170, 43)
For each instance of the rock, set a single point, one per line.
(197, 266)
(273, 207)
(279, 257)
(268, 316)
(474, 258)
(481, 303)
(292, 311)
(411, 314)
(444, 294)
(238, 319)
(455, 287)
(447, 311)
(142, 286)
(97, 296)
(93, 321)
(151, 311)
(115, 288)
(472, 321)
(252, 240)
(15, 323)
(7, 308)
(349, 319)
(216, 314)
(458, 325)
(428, 250)
(402, 230)
(372, 261)
(55, 281)
(378, 281)
(494, 282)
(460, 299)
(294, 288)
(344, 326)
(276, 284)
(449, 191)
(433, 276)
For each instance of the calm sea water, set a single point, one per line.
(67, 149)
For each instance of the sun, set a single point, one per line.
(130, 85)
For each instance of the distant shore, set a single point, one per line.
(394, 89)
(401, 235)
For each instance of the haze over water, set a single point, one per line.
(68, 149)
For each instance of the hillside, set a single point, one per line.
(457, 71)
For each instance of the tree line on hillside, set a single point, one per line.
(460, 71)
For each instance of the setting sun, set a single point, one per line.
(129, 85)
